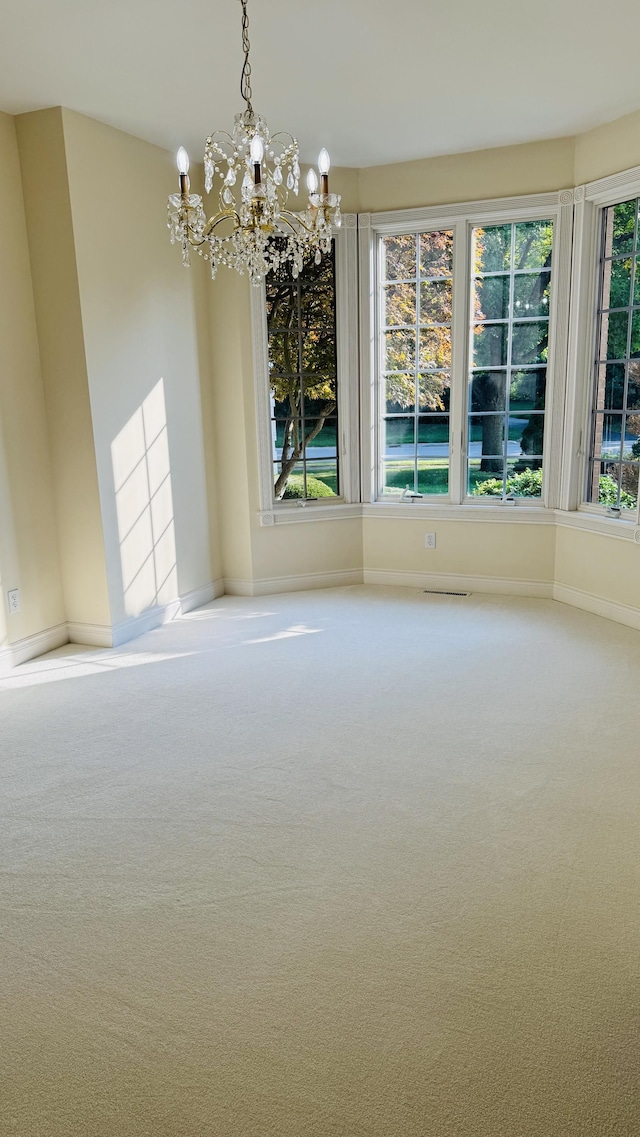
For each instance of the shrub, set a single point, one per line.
(528, 483)
(315, 488)
(608, 494)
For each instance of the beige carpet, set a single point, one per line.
(351, 863)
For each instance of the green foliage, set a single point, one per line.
(315, 488)
(528, 483)
(608, 494)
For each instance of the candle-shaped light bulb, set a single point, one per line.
(312, 181)
(182, 161)
(257, 149)
(324, 161)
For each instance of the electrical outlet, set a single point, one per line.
(13, 599)
(429, 540)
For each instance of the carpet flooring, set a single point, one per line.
(352, 863)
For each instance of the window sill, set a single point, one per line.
(592, 520)
(520, 512)
(291, 513)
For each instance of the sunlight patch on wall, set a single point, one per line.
(144, 505)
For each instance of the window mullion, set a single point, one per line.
(459, 373)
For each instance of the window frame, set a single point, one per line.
(591, 200)
(270, 510)
(462, 219)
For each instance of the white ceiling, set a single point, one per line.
(373, 80)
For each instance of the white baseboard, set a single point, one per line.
(93, 635)
(31, 646)
(610, 609)
(154, 617)
(460, 582)
(200, 596)
(103, 635)
(269, 586)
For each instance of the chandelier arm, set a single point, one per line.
(285, 214)
(218, 218)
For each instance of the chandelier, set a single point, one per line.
(252, 230)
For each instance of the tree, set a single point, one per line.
(302, 357)
(427, 304)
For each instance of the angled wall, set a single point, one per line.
(29, 559)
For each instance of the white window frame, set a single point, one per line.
(590, 202)
(462, 218)
(346, 276)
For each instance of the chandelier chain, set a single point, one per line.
(245, 79)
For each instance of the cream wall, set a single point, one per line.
(534, 167)
(515, 555)
(28, 536)
(64, 369)
(607, 149)
(144, 364)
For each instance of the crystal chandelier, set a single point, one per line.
(252, 230)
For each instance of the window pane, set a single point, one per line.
(433, 476)
(399, 257)
(325, 443)
(435, 347)
(526, 434)
(616, 483)
(415, 450)
(433, 436)
(527, 390)
(620, 228)
(492, 298)
(280, 304)
(524, 477)
(435, 389)
(636, 284)
(611, 396)
(490, 345)
(397, 474)
(508, 358)
(322, 478)
(399, 433)
(435, 301)
(318, 349)
(400, 304)
(436, 254)
(400, 393)
(283, 352)
(531, 294)
(615, 327)
(486, 436)
(302, 375)
(482, 481)
(616, 288)
(608, 430)
(488, 391)
(634, 347)
(400, 351)
(530, 342)
(533, 244)
(633, 386)
(492, 248)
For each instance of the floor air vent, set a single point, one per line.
(440, 592)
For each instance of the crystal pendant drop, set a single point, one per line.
(277, 176)
(290, 180)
